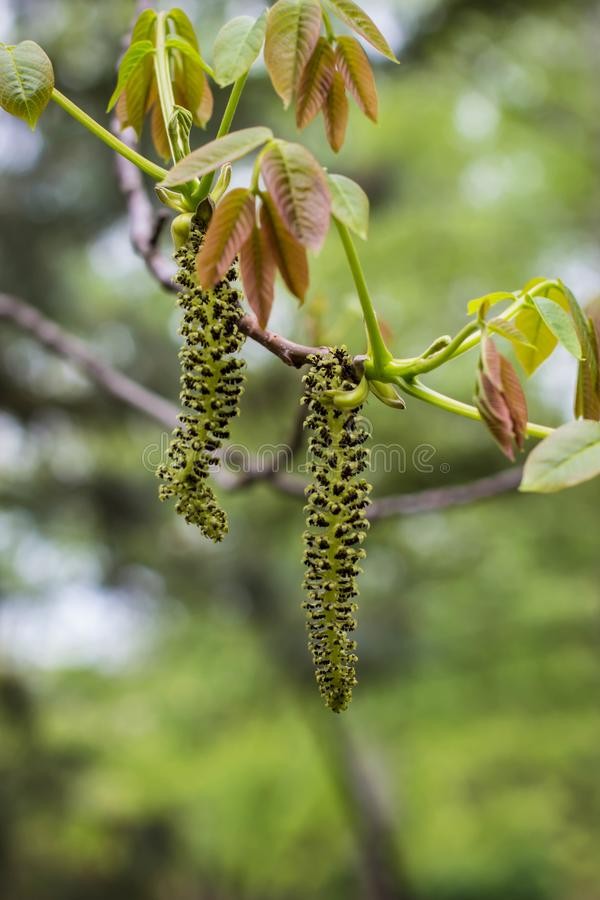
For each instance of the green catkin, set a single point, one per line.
(212, 379)
(337, 501)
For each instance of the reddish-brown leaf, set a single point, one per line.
(335, 113)
(359, 21)
(354, 65)
(230, 227)
(516, 401)
(298, 187)
(289, 255)
(315, 83)
(500, 399)
(258, 274)
(293, 29)
(494, 412)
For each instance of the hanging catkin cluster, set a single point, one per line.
(336, 526)
(212, 381)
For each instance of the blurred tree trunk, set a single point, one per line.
(383, 868)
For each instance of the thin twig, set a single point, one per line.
(52, 336)
(436, 499)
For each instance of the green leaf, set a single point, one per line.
(560, 324)
(293, 29)
(350, 13)
(580, 320)
(174, 42)
(144, 27)
(474, 306)
(349, 204)
(26, 81)
(132, 59)
(507, 329)
(298, 188)
(237, 46)
(542, 342)
(184, 27)
(215, 154)
(570, 456)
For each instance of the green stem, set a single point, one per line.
(418, 367)
(379, 352)
(163, 78)
(145, 165)
(230, 110)
(416, 389)
(328, 26)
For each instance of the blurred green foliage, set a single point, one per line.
(160, 733)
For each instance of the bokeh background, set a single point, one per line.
(161, 737)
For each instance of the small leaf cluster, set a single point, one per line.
(136, 93)
(547, 315)
(337, 500)
(272, 228)
(316, 70)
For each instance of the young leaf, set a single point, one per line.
(192, 90)
(335, 113)
(315, 83)
(359, 21)
(580, 320)
(26, 81)
(175, 42)
(237, 46)
(216, 153)
(474, 306)
(349, 204)
(136, 95)
(289, 255)
(293, 29)
(570, 456)
(587, 398)
(133, 104)
(160, 138)
(500, 399)
(229, 229)
(298, 187)
(356, 69)
(132, 59)
(541, 340)
(184, 27)
(258, 269)
(507, 329)
(560, 324)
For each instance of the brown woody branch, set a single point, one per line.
(134, 395)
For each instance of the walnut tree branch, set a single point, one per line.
(134, 395)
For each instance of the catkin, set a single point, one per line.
(337, 500)
(212, 380)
